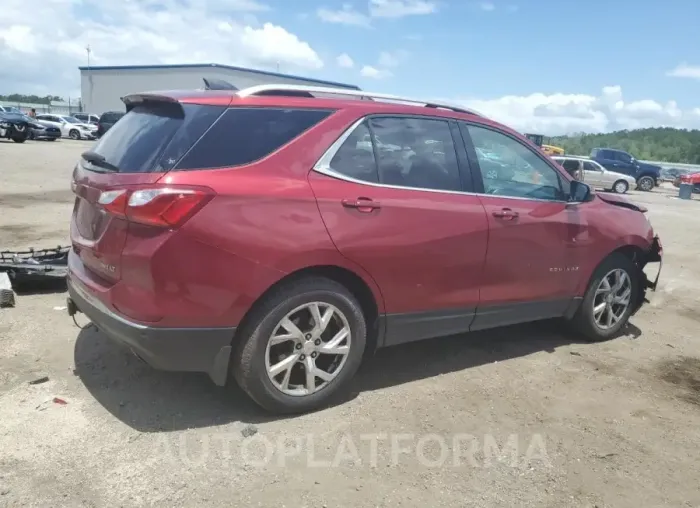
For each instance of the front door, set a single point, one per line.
(531, 269)
(393, 202)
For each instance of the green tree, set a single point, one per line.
(658, 143)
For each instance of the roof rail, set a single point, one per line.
(309, 91)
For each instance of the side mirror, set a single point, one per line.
(579, 192)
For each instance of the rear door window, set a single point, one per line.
(245, 135)
(570, 165)
(415, 152)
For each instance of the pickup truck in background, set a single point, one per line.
(646, 175)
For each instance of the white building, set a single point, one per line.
(102, 87)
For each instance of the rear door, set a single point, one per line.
(139, 150)
(532, 262)
(400, 206)
(594, 175)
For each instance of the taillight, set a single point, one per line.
(159, 206)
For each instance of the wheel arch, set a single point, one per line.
(366, 294)
(630, 249)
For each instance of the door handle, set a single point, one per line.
(505, 214)
(364, 205)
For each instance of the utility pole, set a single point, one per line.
(89, 79)
(278, 65)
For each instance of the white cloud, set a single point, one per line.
(372, 72)
(685, 71)
(487, 6)
(560, 113)
(345, 61)
(40, 54)
(347, 15)
(392, 59)
(400, 8)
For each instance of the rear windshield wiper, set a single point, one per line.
(99, 160)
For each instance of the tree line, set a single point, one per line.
(33, 99)
(657, 144)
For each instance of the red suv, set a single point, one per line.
(278, 233)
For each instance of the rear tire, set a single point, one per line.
(256, 354)
(595, 324)
(645, 183)
(621, 187)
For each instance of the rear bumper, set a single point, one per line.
(173, 349)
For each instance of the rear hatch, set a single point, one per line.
(133, 155)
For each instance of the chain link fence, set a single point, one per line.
(70, 107)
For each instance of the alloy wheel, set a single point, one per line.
(620, 187)
(308, 349)
(646, 184)
(612, 298)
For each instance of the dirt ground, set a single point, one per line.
(521, 416)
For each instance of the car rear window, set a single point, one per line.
(153, 137)
(245, 135)
(161, 136)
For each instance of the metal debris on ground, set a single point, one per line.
(39, 381)
(35, 265)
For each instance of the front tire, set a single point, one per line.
(621, 187)
(301, 345)
(19, 140)
(609, 300)
(646, 183)
(74, 134)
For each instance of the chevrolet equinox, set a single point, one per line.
(276, 234)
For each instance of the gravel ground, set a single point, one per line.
(521, 416)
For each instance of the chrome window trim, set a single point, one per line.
(323, 167)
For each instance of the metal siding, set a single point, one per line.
(101, 89)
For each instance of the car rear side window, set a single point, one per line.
(416, 152)
(571, 166)
(153, 137)
(245, 135)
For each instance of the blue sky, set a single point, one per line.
(535, 64)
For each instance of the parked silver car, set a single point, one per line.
(594, 174)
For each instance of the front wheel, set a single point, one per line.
(609, 300)
(621, 187)
(74, 134)
(302, 345)
(19, 140)
(646, 183)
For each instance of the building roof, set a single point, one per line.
(213, 65)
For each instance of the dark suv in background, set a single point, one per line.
(647, 175)
(107, 120)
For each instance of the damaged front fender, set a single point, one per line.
(653, 255)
